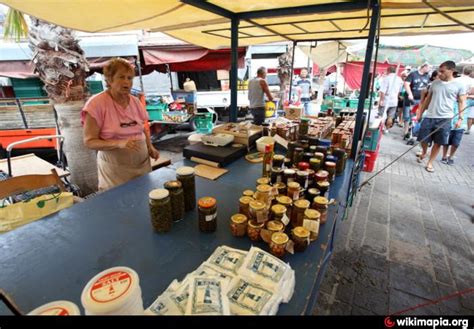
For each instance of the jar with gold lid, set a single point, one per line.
(264, 194)
(321, 204)
(293, 190)
(321, 175)
(278, 211)
(315, 164)
(244, 205)
(258, 211)
(207, 210)
(278, 244)
(281, 187)
(275, 226)
(320, 157)
(311, 193)
(238, 225)
(300, 237)
(253, 230)
(287, 203)
(249, 193)
(311, 223)
(278, 160)
(323, 187)
(263, 181)
(297, 215)
(331, 169)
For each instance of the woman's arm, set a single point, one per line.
(152, 151)
(94, 142)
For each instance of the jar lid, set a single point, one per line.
(302, 173)
(279, 208)
(207, 202)
(253, 223)
(301, 232)
(277, 169)
(278, 157)
(185, 171)
(314, 160)
(246, 199)
(286, 160)
(58, 307)
(324, 183)
(331, 158)
(257, 205)
(239, 218)
(263, 181)
(264, 188)
(299, 149)
(330, 164)
(294, 185)
(319, 154)
(279, 185)
(248, 193)
(322, 174)
(303, 165)
(284, 199)
(158, 194)
(274, 225)
(173, 184)
(314, 191)
(312, 214)
(279, 238)
(302, 203)
(321, 200)
(289, 172)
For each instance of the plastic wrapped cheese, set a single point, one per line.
(227, 259)
(207, 296)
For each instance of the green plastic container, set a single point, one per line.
(203, 122)
(95, 87)
(353, 103)
(339, 103)
(372, 138)
(155, 112)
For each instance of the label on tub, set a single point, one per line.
(111, 286)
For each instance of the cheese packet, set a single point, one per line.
(207, 296)
(227, 259)
(164, 305)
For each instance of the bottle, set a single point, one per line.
(267, 161)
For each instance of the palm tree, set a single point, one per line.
(284, 72)
(61, 65)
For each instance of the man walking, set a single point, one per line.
(389, 90)
(414, 84)
(440, 102)
(258, 88)
(305, 87)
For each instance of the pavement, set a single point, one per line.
(407, 245)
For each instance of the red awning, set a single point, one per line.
(352, 72)
(191, 59)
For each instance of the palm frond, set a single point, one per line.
(15, 26)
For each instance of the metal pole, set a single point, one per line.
(139, 66)
(365, 76)
(291, 72)
(233, 68)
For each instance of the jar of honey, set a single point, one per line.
(278, 211)
(253, 230)
(297, 215)
(258, 211)
(275, 226)
(300, 237)
(278, 244)
(321, 204)
(238, 225)
(244, 205)
(293, 190)
(311, 223)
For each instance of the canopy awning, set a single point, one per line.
(260, 21)
(188, 58)
(352, 72)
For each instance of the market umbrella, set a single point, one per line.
(417, 55)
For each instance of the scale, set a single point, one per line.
(217, 139)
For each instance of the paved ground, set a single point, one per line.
(408, 241)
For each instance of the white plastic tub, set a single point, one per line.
(264, 141)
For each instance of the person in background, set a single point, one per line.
(114, 125)
(415, 82)
(258, 88)
(389, 90)
(305, 87)
(440, 103)
(468, 81)
(401, 98)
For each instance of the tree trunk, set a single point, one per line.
(82, 162)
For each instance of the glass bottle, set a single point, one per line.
(186, 176)
(298, 155)
(302, 179)
(304, 127)
(207, 210)
(160, 210)
(267, 161)
(177, 199)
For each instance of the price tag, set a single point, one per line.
(285, 220)
(311, 225)
(211, 217)
(290, 247)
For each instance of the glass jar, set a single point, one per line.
(311, 180)
(278, 160)
(238, 225)
(278, 211)
(322, 149)
(264, 194)
(207, 210)
(311, 223)
(287, 163)
(315, 164)
(312, 147)
(307, 156)
(278, 244)
(331, 157)
(291, 150)
(298, 155)
(300, 237)
(281, 187)
(263, 181)
(304, 144)
(177, 199)
(331, 169)
(321, 204)
(249, 193)
(244, 205)
(302, 179)
(258, 211)
(186, 176)
(304, 127)
(341, 160)
(275, 226)
(289, 175)
(160, 210)
(320, 157)
(312, 193)
(288, 204)
(277, 175)
(253, 230)
(266, 129)
(323, 187)
(297, 215)
(321, 175)
(293, 190)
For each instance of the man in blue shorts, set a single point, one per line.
(440, 103)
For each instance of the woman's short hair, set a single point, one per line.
(114, 65)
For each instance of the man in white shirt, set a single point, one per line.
(468, 82)
(389, 90)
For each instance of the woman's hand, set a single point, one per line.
(130, 144)
(153, 153)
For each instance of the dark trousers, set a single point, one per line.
(258, 115)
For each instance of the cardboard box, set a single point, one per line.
(293, 112)
(246, 136)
